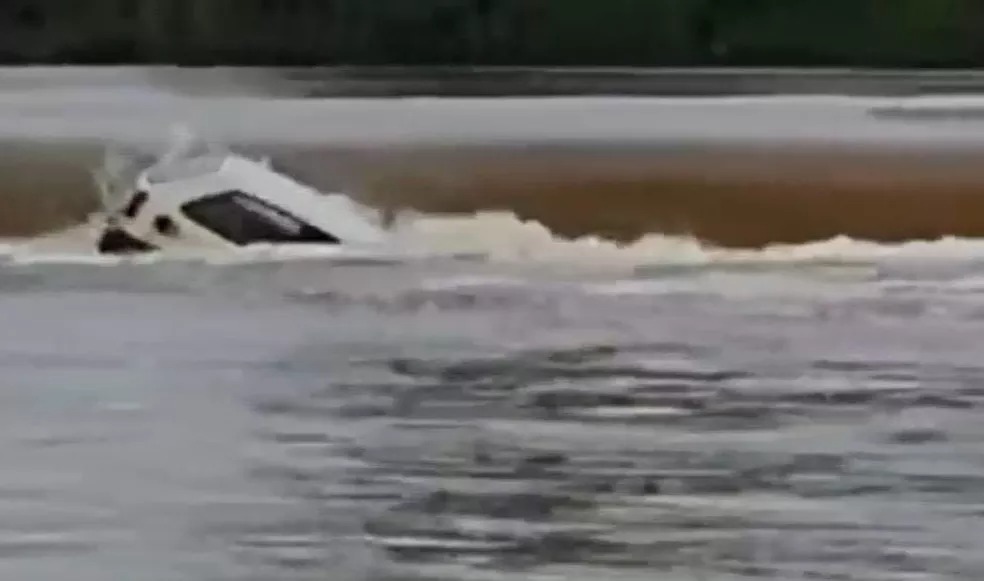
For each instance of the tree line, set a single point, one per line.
(902, 33)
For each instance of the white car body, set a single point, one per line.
(217, 199)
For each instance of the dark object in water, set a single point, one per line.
(117, 241)
(165, 225)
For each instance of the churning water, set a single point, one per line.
(606, 385)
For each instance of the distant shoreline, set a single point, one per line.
(454, 81)
(526, 81)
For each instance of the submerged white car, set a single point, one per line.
(215, 198)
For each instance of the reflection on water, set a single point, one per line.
(298, 421)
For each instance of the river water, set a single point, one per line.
(503, 403)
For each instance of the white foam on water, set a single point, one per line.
(501, 237)
(504, 237)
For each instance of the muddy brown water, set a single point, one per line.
(730, 198)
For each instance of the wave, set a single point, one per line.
(601, 206)
(740, 199)
(503, 238)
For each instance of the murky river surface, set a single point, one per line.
(559, 411)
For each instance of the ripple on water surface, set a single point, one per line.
(453, 421)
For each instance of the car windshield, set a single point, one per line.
(244, 219)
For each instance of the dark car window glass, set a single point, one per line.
(243, 219)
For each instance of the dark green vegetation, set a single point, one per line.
(886, 33)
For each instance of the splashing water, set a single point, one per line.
(498, 236)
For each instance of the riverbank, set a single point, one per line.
(519, 81)
(325, 82)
